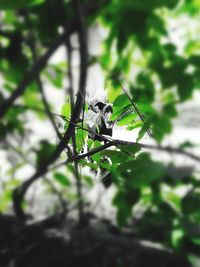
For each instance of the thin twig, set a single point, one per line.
(32, 74)
(76, 171)
(47, 108)
(63, 203)
(142, 117)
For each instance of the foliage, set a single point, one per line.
(138, 52)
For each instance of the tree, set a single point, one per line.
(146, 79)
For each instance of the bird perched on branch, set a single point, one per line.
(98, 119)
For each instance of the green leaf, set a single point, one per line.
(141, 171)
(170, 110)
(133, 149)
(88, 180)
(115, 156)
(80, 139)
(66, 110)
(161, 126)
(185, 87)
(62, 179)
(190, 203)
(16, 4)
(124, 200)
(91, 165)
(128, 119)
(44, 152)
(120, 102)
(186, 144)
(112, 91)
(135, 125)
(144, 129)
(119, 112)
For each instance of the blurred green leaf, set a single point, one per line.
(66, 110)
(16, 4)
(141, 171)
(62, 179)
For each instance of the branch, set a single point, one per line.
(19, 192)
(168, 149)
(62, 201)
(29, 77)
(32, 74)
(76, 171)
(116, 143)
(40, 86)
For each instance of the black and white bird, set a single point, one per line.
(98, 119)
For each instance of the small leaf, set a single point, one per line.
(66, 110)
(61, 179)
(121, 101)
(88, 180)
(112, 92)
(80, 139)
(134, 125)
(187, 144)
(128, 119)
(144, 129)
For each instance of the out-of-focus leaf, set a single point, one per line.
(190, 203)
(144, 129)
(80, 138)
(112, 91)
(141, 171)
(61, 179)
(187, 144)
(161, 126)
(185, 87)
(170, 110)
(88, 180)
(124, 201)
(66, 110)
(16, 4)
(133, 149)
(44, 152)
(115, 156)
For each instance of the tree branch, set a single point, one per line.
(32, 74)
(76, 171)
(19, 192)
(167, 149)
